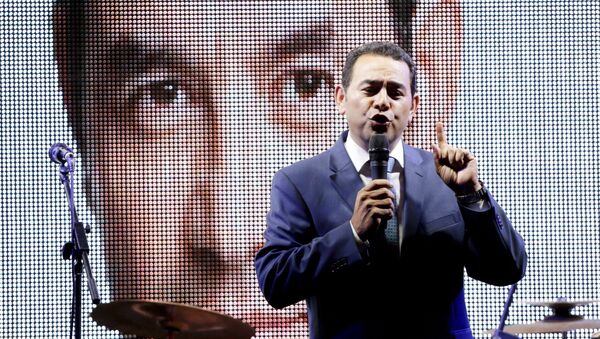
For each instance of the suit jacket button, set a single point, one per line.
(499, 220)
(338, 265)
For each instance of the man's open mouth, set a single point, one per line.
(380, 119)
(379, 123)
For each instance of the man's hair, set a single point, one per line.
(386, 49)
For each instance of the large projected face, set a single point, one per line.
(190, 107)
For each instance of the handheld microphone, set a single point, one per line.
(379, 153)
(59, 153)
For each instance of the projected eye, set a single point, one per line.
(306, 84)
(165, 93)
(302, 85)
(162, 94)
(300, 89)
(160, 105)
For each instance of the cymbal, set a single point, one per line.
(546, 326)
(551, 326)
(560, 303)
(561, 307)
(560, 321)
(166, 320)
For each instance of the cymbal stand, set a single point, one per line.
(499, 333)
(77, 249)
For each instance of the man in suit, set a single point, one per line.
(326, 242)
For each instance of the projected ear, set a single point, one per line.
(438, 39)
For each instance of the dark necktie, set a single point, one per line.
(392, 234)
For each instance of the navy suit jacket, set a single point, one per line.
(310, 252)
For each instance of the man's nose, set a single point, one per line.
(382, 100)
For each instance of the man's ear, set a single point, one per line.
(413, 110)
(438, 31)
(415, 105)
(340, 97)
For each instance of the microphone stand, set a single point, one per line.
(77, 249)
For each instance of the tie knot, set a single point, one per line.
(393, 166)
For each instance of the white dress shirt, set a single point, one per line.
(359, 156)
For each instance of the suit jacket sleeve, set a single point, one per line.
(299, 256)
(495, 252)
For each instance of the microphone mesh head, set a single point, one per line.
(378, 141)
(379, 146)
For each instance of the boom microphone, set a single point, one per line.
(59, 153)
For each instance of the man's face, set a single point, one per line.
(189, 106)
(378, 99)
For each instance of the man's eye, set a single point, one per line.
(305, 84)
(370, 91)
(395, 93)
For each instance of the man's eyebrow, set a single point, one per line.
(371, 82)
(130, 57)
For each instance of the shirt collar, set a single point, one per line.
(359, 156)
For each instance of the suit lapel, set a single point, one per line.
(344, 177)
(347, 182)
(413, 187)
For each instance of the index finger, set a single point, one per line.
(441, 134)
